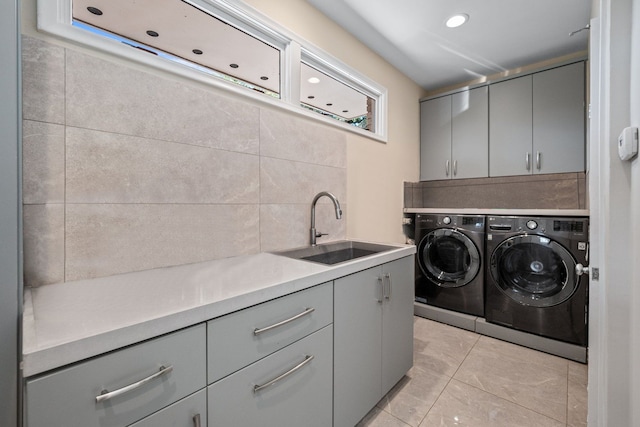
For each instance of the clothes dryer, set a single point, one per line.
(534, 280)
(450, 262)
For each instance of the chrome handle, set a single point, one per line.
(581, 269)
(381, 281)
(388, 277)
(258, 331)
(106, 395)
(455, 167)
(448, 164)
(306, 360)
(196, 420)
(526, 161)
(538, 160)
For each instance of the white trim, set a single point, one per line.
(55, 17)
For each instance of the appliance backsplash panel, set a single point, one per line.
(124, 170)
(552, 191)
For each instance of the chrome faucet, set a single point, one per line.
(336, 204)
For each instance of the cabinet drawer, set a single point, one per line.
(188, 412)
(302, 398)
(67, 397)
(239, 339)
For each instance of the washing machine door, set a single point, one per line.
(534, 270)
(448, 258)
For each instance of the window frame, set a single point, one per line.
(54, 17)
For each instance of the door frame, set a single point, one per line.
(10, 212)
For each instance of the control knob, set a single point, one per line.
(446, 220)
(532, 225)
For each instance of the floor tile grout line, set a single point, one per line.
(450, 379)
(507, 400)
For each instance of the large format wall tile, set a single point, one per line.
(43, 244)
(112, 168)
(42, 163)
(284, 181)
(552, 191)
(286, 137)
(287, 226)
(110, 239)
(43, 90)
(105, 96)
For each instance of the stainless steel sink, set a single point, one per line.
(336, 252)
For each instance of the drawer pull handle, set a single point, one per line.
(106, 395)
(258, 331)
(196, 420)
(388, 277)
(307, 359)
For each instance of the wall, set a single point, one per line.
(375, 172)
(128, 168)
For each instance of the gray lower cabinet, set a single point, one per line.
(373, 338)
(291, 387)
(77, 396)
(188, 412)
(239, 339)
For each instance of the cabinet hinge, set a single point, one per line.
(595, 273)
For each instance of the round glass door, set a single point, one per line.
(534, 270)
(448, 258)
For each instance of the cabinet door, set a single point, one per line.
(189, 412)
(357, 342)
(558, 120)
(302, 396)
(435, 139)
(397, 321)
(510, 129)
(470, 133)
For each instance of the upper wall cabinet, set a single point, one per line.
(454, 136)
(537, 123)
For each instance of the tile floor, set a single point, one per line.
(461, 378)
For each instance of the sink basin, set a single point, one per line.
(336, 252)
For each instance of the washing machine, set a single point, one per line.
(534, 281)
(450, 262)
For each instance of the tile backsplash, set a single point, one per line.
(124, 170)
(550, 191)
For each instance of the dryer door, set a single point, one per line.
(448, 258)
(534, 270)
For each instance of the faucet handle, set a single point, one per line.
(319, 234)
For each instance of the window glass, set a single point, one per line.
(184, 33)
(328, 96)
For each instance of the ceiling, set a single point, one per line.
(189, 33)
(500, 35)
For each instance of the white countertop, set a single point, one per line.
(510, 212)
(72, 321)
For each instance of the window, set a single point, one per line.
(223, 43)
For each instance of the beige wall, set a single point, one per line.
(128, 167)
(375, 171)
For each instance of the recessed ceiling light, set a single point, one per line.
(197, 51)
(313, 80)
(152, 33)
(233, 65)
(264, 78)
(94, 10)
(311, 97)
(457, 20)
